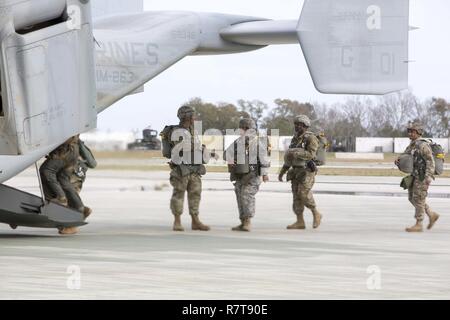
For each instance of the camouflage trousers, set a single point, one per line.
(302, 183)
(72, 192)
(56, 183)
(246, 189)
(417, 195)
(77, 182)
(49, 177)
(192, 184)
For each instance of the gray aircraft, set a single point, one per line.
(63, 62)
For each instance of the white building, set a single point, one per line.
(371, 145)
(389, 145)
(108, 141)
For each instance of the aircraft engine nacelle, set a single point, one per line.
(47, 66)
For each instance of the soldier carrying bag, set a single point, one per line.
(321, 156)
(438, 155)
(318, 161)
(166, 142)
(407, 182)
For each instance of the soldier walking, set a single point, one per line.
(187, 167)
(421, 178)
(301, 171)
(248, 161)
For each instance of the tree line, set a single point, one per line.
(357, 116)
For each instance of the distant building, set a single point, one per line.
(108, 141)
(390, 145)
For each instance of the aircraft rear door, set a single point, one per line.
(48, 70)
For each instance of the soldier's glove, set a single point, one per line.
(311, 165)
(215, 155)
(282, 173)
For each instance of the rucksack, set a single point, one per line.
(321, 156)
(438, 154)
(166, 141)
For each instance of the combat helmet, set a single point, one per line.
(303, 119)
(247, 124)
(417, 126)
(185, 112)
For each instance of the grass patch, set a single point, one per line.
(331, 157)
(322, 171)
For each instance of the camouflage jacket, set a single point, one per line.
(86, 156)
(68, 152)
(256, 154)
(424, 164)
(181, 140)
(86, 160)
(303, 148)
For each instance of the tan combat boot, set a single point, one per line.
(299, 225)
(418, 227)
(197, 225)
(433, 218)
(239, 227)
(177, 224)
(87, 212)
(317, 219)
(68, 231)
(246, 225)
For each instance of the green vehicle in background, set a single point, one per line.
(149, 141)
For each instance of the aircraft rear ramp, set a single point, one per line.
(22, 209)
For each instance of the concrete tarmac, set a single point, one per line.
(128, 250)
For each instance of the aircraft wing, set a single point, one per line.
(350, 46)
(102, 8)
(356, 46)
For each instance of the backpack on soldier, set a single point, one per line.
(321, 156)
(166, 135)
(438, 155)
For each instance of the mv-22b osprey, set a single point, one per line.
(60, 68)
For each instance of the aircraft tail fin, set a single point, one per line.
(356, 46)
(107, 7)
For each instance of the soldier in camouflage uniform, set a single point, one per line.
(422, 176)
(55, 172)
(301, 171)
(187, 168)
(77, 177)
(55, 162)
(247, 160)
(85, 161)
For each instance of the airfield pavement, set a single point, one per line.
(128, 250)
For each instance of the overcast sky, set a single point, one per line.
(273, 72)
